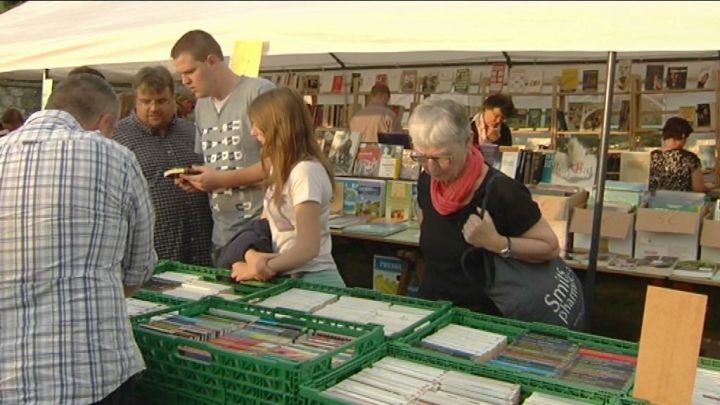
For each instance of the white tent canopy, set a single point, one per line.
(122, 36)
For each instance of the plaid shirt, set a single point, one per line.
(75, 226)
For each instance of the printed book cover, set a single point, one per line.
(390, 161)
(408, 80)
(534, 81)
(374, 229)
(364, 197)
(337, 84)
(410, 169)
(676, 78)
(497, 77)
(343, 151)
(429, 83)
(517, 80)
(311, 84)
(386, 274)
(569, 80)
(590, 80)
(705, 77)
(367, 162)
(703, 115)
(399, 200)
(654, 77)
(461, 84)
(576, 160)
(534, 118)
(622, 75)
(344, 221)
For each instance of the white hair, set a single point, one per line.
(438, 122)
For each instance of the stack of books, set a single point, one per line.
(137, 307)
(396, 381)
(187, 286)
(694, 269)
(242, 333)
(677, 200)
(462, 341)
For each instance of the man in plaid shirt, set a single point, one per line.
(76, 237)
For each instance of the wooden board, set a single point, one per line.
(669, 346)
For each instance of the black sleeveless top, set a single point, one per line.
(442, 244)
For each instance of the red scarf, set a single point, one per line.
(449, 198)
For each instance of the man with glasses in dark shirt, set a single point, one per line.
(162, 141)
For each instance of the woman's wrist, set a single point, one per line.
(500, 242)
(268, 269)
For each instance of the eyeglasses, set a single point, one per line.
(439, 160)
(158, 102)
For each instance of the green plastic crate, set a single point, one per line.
(489, 323)
(438, 307)
(234, 377)
(211, 274)
(512, 329)
(153, 296)
(709, 364)
(312, 393)
(148, 393)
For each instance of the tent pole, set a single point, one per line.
(600, 186)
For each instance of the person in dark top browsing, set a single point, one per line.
(672, 167)
(488, 125)
(451, 187)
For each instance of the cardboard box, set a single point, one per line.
(710, 241)
(667, 233)
(556, 210)
(616, 227)
(559, 208)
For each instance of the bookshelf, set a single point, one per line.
(643, 110)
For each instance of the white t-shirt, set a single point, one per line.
(308, 181)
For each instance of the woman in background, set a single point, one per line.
(297, 199)
(672, 167)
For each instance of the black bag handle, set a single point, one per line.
(488, 187)
(487, 262)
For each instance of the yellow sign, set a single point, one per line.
(47, 87)
(246, 56)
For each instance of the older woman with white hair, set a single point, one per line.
(451, 189)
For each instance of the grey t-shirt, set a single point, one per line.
(223, 138)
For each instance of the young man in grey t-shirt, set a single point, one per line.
(232, 167)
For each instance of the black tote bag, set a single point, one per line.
(547, 292)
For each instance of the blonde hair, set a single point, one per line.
(289, 137)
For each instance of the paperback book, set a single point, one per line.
(461, 83)
(367, 162)
(569, 80)
(343, 151)
(408, 81)
(654, 77)
(386, 274)
(676, 78)
(695, 269)
(374, 229)
(590, 80)
(497, 77)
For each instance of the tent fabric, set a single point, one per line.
(122, 36)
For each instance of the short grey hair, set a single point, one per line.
(438, 122)
(86, 97)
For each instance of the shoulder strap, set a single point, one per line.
(488, 187)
